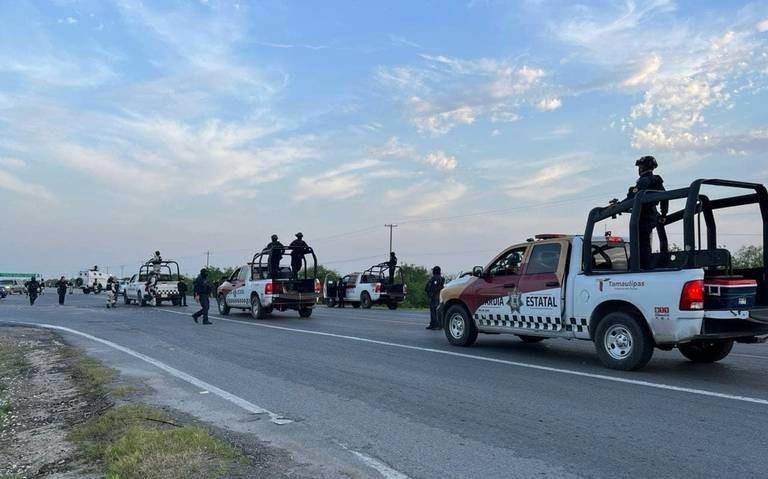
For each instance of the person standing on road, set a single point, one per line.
(300, 248)
(33, 287)
(392, 264)
(341, 291)
(649, 215)
(112, 286)
(61, 288)
(275, 249)
(202, 295)
(182, 287)
(433, 288)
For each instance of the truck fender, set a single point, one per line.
(607, 307)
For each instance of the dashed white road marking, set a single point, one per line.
(571, 372)
(199, 383)
(375, 464)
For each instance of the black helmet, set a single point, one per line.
(436, 270)
(299, 235)
(274, 237)
(204, 273)
(647, 163)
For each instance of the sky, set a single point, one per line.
(206, 126)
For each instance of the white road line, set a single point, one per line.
(199, 383)
(375, 464)
(754, 356)
(634, 382)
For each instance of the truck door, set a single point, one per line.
(351, 293)
(237, 280)
(495, 295)
(541, 286)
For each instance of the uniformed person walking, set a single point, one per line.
(275, 249)
(202, 294)
(300, 248)
(33, 287)
(433, 288)
(61, 288)
(649, 215)
(182, 287)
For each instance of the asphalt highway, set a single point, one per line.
(372, 393)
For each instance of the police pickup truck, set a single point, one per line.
(265, 285)
(155, 283)
(581, 287)
(372, 286)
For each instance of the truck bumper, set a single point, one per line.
(719, 328)
(291, 300)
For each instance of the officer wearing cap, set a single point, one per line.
(300, 248)
(275, 250)
(649, 215)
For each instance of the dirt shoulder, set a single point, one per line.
(64, 415)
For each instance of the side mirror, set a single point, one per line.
(477, 271)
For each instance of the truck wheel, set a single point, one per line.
(530, 339)
(622, 343)
(257, 310)
(223, 308)
(703, 351)
(365, 300)
(305, 312)
(392, 305)
(459, 327)
(331, 302)
(125, 299)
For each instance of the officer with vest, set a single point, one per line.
(649, 215)
(300, 248)
(275, 250)
(433, 288)
(202, 293)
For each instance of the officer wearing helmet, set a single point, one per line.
(649, 216)
(275, 250)
(300, 248)
(433, 288)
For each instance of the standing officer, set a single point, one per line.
(156, 259)
(392, 264)
(275, 249)
(300, 248)
(182, 287)
(649, 215)
(33, 287)
(433, 288)
(61, 288)
(202, 295)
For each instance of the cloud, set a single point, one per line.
(427, 196)
(393, 148)
(553, 178)
(400, 41)
(442, 161)
(645, 70)
(9, 162)
(549, 104)
(14, 184)
(762, 26)
(428, 118)
(341, 183)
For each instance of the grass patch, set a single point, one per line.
(124, 391)
(12, 363)
(142, 442)
(89, 373)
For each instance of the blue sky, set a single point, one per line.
(190, 126)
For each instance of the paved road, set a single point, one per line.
(373, 388)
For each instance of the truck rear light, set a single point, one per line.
(692, 297)
(318, 288)
(269, 288)
(377, 289)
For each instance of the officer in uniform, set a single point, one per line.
(156, 260)
(433, 288)
(202, 295)
(61, 288)
(182, 287)
(649, 216)
(275, 249)
(392, 264)
(33, 287)
(297, 254)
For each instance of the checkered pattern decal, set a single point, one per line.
(537, 323)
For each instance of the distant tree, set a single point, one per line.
(415, 277)
(748, 257)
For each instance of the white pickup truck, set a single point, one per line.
(154, 284)
(261, 290)
(580, 287)
(371, 287)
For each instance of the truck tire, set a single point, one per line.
(305, 312)
(459, 327)
(531, 339)
(622, 342)
(392, 305)
(257, 310)
(365, 300)
(704, 351)
(140, 299)
(331, 302)
(223, 308)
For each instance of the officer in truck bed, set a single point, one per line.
(649, 216)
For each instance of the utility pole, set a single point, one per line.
(122, 269)
(207, 259)
(391, 227)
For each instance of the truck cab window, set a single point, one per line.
(610, 257)
(545, 258)
(508, 264)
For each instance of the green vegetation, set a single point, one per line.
(748, 257)
(12, 363)
(415, 278)
(89, 373)
(143, 442)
